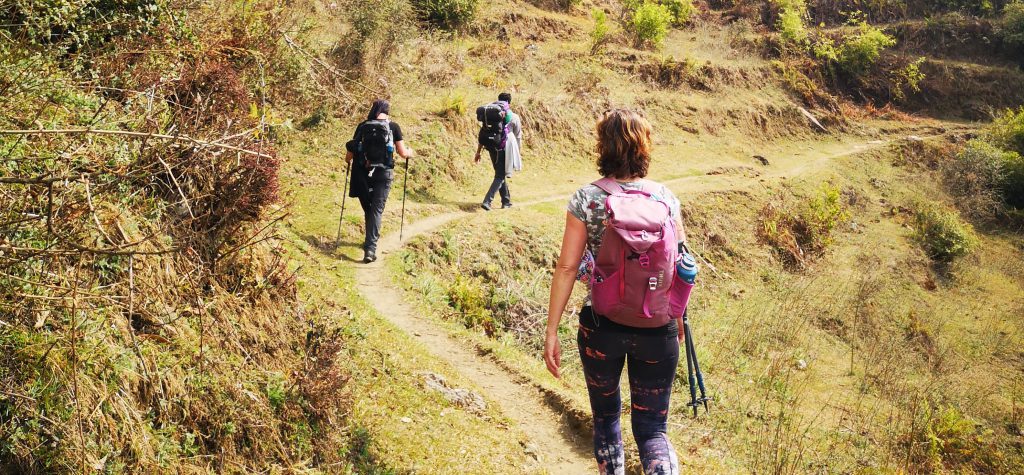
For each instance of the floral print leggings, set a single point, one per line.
(651, 355)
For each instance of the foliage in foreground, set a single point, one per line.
(149, 315)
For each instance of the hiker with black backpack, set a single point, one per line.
(372, 151)
(623, 237)
(501, 134)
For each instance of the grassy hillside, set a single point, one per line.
(867, 359)
(175, 299)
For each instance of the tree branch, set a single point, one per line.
(141, 135)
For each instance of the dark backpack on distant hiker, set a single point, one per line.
(635, 281)
(493, 131)
(376, 144)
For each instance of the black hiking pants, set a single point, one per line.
(499, 184)
(650, 355)
(373, 205)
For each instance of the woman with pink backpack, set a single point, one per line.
(627, 233)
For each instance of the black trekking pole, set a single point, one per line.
(405, 183)
(348, 169)
(692, 354)
(689, 368)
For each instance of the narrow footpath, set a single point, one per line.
(560, 449)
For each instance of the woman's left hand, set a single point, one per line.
(553, 354)
(681, 329)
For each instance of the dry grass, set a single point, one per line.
(887, 363)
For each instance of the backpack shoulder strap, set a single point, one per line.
(609, 185)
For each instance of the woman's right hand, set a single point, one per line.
(553, 354)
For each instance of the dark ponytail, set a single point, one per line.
(380, 106)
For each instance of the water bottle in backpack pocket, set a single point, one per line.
(682, 286)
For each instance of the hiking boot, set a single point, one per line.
(369, 257)
(506, 206)
(485, 206)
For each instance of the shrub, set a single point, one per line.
(1013, 180)
(1012, 26)
(78, 25)
(453, 105)
(447, 14)
(800, 233)
(975, 177)
(909, 78)
(791, 20)
(600, 34)
(466, 295)
(944, 438)
(650, 23)
(942, 234)
(859, 52)
(825, 212)
(1007, 131)
(682, 10)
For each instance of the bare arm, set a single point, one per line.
(682, 231)
(479, 147)
(403, 151)
(680, 330)
(574, 241)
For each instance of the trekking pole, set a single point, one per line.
(348, 169)
(689, 368)
(405, 183)
(703, 399)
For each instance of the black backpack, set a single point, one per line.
(492, 125)
(377, 143)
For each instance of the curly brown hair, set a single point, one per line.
(623, 144)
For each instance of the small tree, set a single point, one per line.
(650, 23)
(1012, 26)
(861, 51)
(791, 21)
(682, 10)
(447, 14)
(942, 234)
(600, 34)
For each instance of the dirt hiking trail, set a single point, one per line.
(559, 448)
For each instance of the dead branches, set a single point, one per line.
(139, 135)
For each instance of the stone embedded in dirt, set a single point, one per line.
(801, 365)
(760, 158)
(531, 450)
(461, 397)
(406, 420)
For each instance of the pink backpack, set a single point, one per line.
(635, 273)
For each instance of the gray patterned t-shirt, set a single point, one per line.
(587, 204)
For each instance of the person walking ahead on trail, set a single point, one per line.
(640, 328)
(496, 132)
(372, 148)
